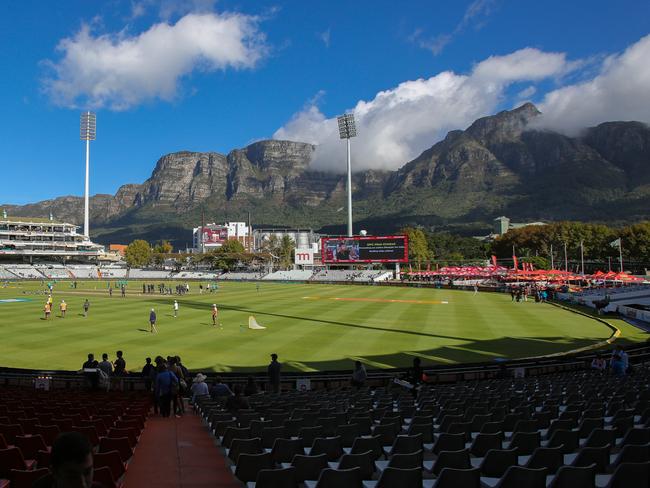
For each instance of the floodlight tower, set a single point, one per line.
(348, 130)
(87, 132)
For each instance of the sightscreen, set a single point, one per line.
(359, 249)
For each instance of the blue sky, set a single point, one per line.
(173, 75)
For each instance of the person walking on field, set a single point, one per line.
(175, 308)
(86, 307)
(152, 321)
(63, 307)
(215, 314)
(47, 310)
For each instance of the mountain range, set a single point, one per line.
(500, 165)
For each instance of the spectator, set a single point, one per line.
(618, 365)
(120, 364)
(91, 363)
(237, 402)
(146, 373)
(186, 373)
(106, 369)
(177, 400)
(359, 375)
(598, 363)
(166, 388)
(153, 374)
(71, 463)
(415, 375)
(251, 387)
(91, 377)
(220, 390)
(274, 373)
(199, 386)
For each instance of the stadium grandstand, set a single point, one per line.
(30, 239)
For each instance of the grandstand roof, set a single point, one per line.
(33, 220)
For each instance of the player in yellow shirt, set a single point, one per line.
(63, 307)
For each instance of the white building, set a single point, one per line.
(45, 240)
(214, 235)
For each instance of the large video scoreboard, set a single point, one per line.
(364, 249)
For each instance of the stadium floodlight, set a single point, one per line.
(348, 130)
(87, 132)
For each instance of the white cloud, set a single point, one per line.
(476, 15)
(119, 71)
(399, 123)
(325, 37)
(619, 91)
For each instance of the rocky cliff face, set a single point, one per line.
(497, 165)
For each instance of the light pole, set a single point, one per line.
(87, 132)
(347, 130)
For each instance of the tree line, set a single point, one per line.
(230, 255)
(535, 243)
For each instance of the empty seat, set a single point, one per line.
(308, 467)
(575, 477)
(330, 446)
(448, 442)
(402, 461)
(234, 433)
(518, 477)
(496, 462)
(451, 459)
(524, 442)
(626, 475)
(12, 458)
(339, 478)
(112, 460)
(121, 445)
(363, 444)
(249, 465)
(482, 443)
(455, 478)
(362, 461)
(568, 439)
(405, 444)
(244, 446)
(30, 445)
(399, 478)
(22, 478)
(550, 458)
(599, 456)
(277, 478)
(284, 450)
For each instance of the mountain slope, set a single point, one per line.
(498, 165)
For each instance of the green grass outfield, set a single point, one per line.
(311, 327)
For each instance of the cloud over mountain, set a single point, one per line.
(400, 122)
(620, 91)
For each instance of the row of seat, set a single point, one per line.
(573, 426)
(31, 421)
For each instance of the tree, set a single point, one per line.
(280, 247)
(228, 255)
(163, 247)
(418, 248)
(138, 253)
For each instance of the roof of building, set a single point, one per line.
(31, 220)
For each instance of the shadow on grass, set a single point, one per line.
(251, 311)
(477, 351)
